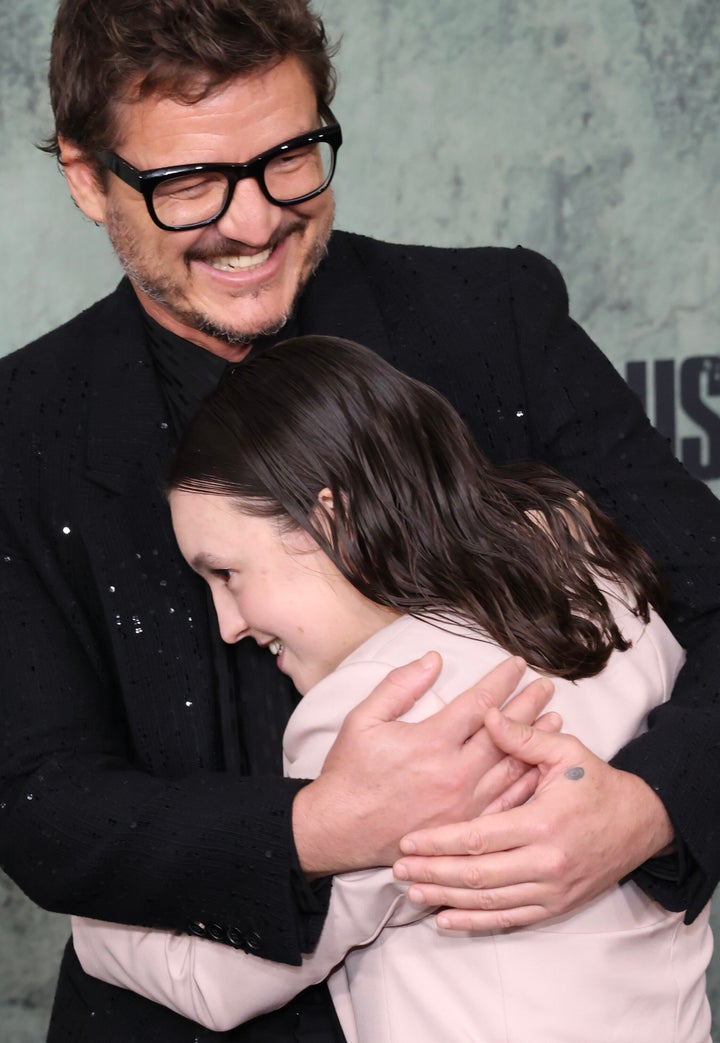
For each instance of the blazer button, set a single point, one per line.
(235, 937)
(216, 932)
(197, 928)
(253, 940)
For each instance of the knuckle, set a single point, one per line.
(544, 829)
(513, 769)
(475, 880)
(557, 863)
(474, 842)
(485, 699)
(351, 717)
(559, 900)
(506, 804)
(507, 918)
(454, 781)
(575, 748)
(511, 800)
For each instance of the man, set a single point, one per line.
(121, 703)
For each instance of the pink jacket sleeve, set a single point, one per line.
(220, 987)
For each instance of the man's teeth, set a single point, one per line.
(231, 263)
(276, 646)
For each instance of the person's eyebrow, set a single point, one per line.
(205, 562)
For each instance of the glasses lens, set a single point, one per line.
(190, 198)
(299, 172)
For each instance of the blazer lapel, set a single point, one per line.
(154, 606)
(127, 415)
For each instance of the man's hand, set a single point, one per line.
(383, 775)
(586, 828)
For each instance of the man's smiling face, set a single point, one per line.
(222, 285)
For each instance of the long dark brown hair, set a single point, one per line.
(422, 521)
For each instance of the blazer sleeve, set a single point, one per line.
(110, 806)
(587, 423)
(83, 830)
(219, 987)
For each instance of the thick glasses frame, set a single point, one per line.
(146, 181)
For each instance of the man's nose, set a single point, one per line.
(251, 218)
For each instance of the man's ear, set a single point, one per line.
(82, 181)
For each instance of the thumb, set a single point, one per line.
(525, 742)
(399, 690)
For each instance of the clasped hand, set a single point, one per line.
(384, 775)
(587, 826)
(503, 861)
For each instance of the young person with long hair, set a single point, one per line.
(343, 517)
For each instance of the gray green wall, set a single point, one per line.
(586, 130)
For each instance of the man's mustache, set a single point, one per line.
(223, 247)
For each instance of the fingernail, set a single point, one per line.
(407, 846)
(443, 921)
(400, 871)
(417, 896)
(519, 662)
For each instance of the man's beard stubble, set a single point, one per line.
(165, 292)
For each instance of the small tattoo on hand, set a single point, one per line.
(574, 773)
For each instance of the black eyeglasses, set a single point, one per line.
(197, 194)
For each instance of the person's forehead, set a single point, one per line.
(200, 510)
(243, 116)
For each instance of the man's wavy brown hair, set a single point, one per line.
(107, 51)
(422, 521)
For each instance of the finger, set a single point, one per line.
(524, 707)
(398, 691)
(498, 782)
(511, 782)
(549, 722)
(485, 920)
(494, 869)
(462, 718)
(483, 835)
(478, 900)
(532, 745)
(527, 705)
(518, 793)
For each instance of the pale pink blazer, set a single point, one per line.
(620, 970)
